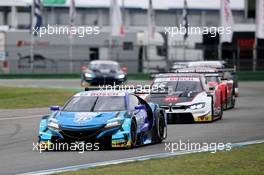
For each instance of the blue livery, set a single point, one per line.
(110, 118)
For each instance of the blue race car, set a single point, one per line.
(112, 119)
(101, 72)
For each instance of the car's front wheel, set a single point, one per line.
(233, 101)
(133, 133)
(221, 110)
(161, 128)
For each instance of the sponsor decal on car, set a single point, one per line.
(83, 117)
(203, 118)
(177, 79)
(170, 99)
(101, 93)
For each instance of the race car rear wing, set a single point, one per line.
(198, 71)
(178, 73)
(162, 74)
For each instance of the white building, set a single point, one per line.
(15, 15)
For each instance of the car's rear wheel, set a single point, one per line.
(221, 110)
(225, 101)
(233, 101)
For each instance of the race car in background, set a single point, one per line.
(228, 73)
(212, 64)
(178, 65)
(215, 80)
(111, 118)
(185, 98)
(103, 72)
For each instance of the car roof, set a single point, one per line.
(198, 70)
(214, 64)
(104, 62)
(102, 93)
(165, 75)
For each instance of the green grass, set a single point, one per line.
(16, 97)
(242, 76)
(139, 76)
(132, 76)
(240, 161)
(39, 76)
(251, 76)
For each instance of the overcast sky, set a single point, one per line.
(160, 4)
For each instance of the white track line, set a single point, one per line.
(132, 159)
(26, 117)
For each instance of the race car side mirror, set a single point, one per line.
(139, 107)
(82, 68)
(124, 69)
(212, 85)
(54, 108)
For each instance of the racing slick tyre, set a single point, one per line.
(133, 133)
(233, 101)
(160, 131)
(226, 101)
(221, 110)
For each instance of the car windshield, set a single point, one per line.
(228, 75)
(95, 104)
(100, 66)
(180, 86)
(211, 79)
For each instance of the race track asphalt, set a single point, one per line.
(19, 128)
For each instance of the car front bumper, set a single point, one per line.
(102, 80)
(114, 137)
(188, 116)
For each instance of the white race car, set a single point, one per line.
(185, 98)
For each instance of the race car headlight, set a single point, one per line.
(120, 76)
(197, 106)
(88, 75)
(53, 124)
(113, 123)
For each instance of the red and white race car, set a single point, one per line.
(185, 98)
(220, 66)
(215, 81)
